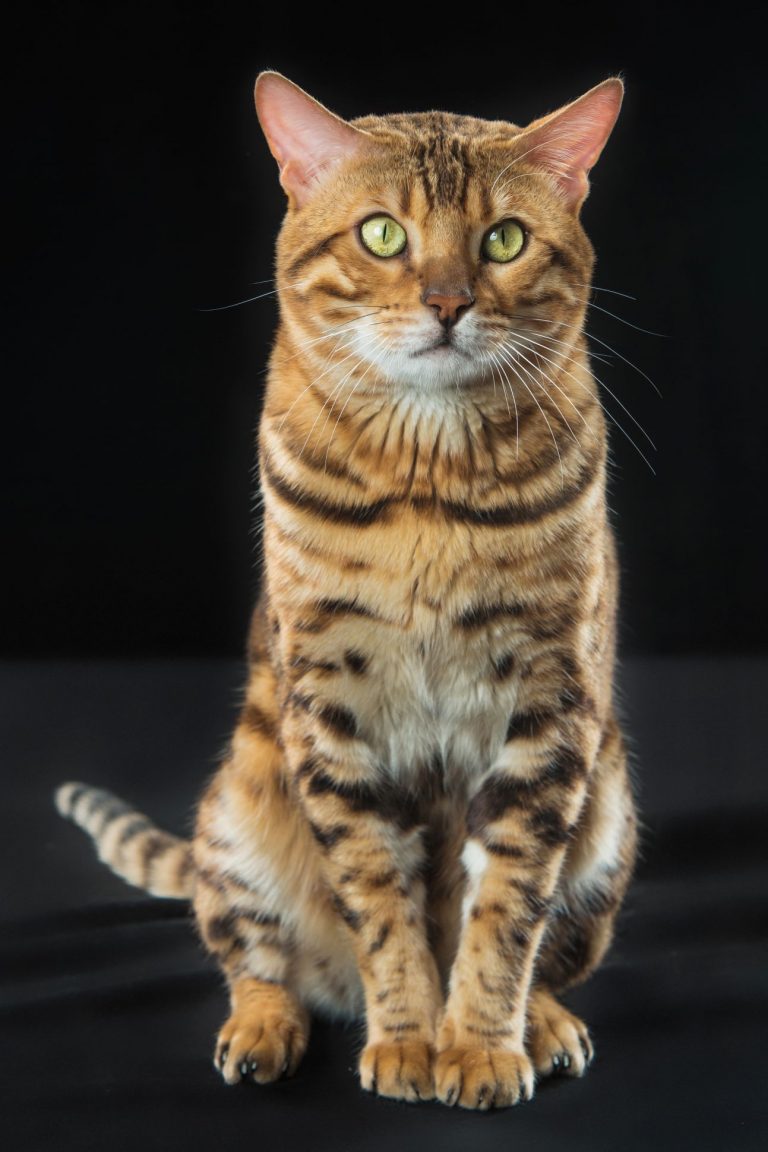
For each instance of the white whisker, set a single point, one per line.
(502, 353)
(345, 326)
(629, 324)
(548, 378)
(610, 291)
(327, 367)
(375, 348)
(613, 419)
(239, 303)
(335, 391)
(602, 384)
(562, 135)
(505, 378)
(591, 336)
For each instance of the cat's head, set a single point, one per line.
(430, 247)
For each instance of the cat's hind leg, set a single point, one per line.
(253, 862)
(594, 879)
(266, 1033)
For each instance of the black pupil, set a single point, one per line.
(384, 232)
(503, 234)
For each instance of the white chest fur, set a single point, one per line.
(435, 698)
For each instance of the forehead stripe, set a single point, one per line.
(443, 166)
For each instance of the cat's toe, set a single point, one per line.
(482, 1078)
(557, 1041)
(402, 1071)
(259, 1049)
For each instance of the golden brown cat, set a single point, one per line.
(425, 814)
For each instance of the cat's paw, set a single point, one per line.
(260, 1046)
(482, 1078)
(557, 1041)
(401, 1070)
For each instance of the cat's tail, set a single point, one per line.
(129, 843)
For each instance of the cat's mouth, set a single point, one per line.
(444, 345)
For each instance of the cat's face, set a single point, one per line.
(431, 250)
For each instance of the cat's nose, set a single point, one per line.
(449, 305)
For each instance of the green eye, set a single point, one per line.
(383, 236)
(503, 242)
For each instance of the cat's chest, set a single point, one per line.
(436, 698)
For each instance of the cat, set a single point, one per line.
(425, 815)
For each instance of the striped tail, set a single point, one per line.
(129, 843)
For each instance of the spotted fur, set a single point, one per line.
(424, 815)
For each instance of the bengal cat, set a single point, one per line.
(425, 815)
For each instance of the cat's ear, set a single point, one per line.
(568, 142)
(305, 138)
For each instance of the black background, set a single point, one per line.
(137, 190)
(141, 191)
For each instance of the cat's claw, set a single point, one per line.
(481, 1078)
(558, 1042)
(258, 1049)
(402, 1070)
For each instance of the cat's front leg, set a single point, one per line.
(372, 856)
(519, 823)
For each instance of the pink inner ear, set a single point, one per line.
(568, 143)
(305, 138)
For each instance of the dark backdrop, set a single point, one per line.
(137, 190)
(141, 191)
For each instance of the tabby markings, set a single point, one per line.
(508, 515)
(356, 662)
(503, 791)
(361, 515)
(324, 612)
(257, 720)
(385, 801)
(338, 719)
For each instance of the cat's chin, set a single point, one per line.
(434, 369)
(441, 348)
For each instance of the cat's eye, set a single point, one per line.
(383, 236)
(503, 242)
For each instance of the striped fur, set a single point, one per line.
(128, 842)
(425, 814)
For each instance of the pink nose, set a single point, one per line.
(448, 306)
